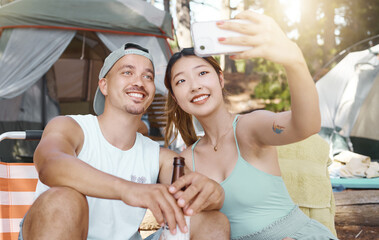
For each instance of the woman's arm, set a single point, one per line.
(270, 42)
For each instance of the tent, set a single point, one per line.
(349, 98)
(51, 52)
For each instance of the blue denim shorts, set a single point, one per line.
(155, 236)
(295, 225)
(20, 233)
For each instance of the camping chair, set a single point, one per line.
(17, 186)
(18, 183)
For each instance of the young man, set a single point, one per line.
(102, 174)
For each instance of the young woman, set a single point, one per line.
(238, 151)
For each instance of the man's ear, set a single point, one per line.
(103, 85)
(221, 79)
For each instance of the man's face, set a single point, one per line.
(130, 84)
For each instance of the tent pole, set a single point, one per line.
(43, 101)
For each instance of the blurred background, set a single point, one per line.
(52, 50)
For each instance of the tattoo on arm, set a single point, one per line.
(277, 128)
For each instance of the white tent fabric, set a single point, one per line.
(22, 65)
(30, 105)
(114, 41)
(366, 126)
(343, 89)
(343, 94)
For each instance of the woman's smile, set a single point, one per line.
(200, 99)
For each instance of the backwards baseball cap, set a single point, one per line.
(113, 57)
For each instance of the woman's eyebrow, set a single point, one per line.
(199, 66)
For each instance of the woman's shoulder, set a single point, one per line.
(187, 155)
(253, 119)
(255, 114)
(186, 152)
(250, 126)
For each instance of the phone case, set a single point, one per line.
(205, 38)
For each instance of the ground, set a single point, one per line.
(239, 89)
(358, 232)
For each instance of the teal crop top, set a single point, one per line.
(253, 199)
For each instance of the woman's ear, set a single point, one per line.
(173, 97)
(103, 85)
(221, 78)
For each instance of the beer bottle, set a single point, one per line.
(177, 172)
(178, 169)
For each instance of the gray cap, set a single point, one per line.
(113, 57)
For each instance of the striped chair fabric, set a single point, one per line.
(17, 186)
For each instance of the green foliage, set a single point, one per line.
(273, 86)
(240, 65)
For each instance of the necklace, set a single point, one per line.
(218, 141)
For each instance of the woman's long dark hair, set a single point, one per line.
(177, 119)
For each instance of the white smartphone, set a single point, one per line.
(205, 39)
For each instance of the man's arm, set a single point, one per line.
(57, 165)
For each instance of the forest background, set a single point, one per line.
(325, 30)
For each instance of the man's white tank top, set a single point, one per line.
(113, 219)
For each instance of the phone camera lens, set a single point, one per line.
(202, 47)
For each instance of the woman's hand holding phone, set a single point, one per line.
(265, 38)
(249, 35)
(206, 36)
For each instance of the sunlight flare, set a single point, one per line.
(292, 8)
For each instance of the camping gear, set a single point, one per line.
(304, 168)
(349, 95)
(51, 53)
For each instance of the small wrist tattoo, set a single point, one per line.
(277, 128)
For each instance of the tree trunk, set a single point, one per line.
(166, 4)
(249, 64)
(184, 21)
(329, 28)
(227, 64)
(308, 33)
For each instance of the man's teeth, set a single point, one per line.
(200, 98)
(138, 95)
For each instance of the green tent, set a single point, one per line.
(51, 52)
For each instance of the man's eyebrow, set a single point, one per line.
(127, 66)
(149, 70)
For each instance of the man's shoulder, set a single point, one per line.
(147, 140)
(167, 153)
(79, 117)
(61, 122)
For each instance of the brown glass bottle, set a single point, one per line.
(177, 172)
(178, 169)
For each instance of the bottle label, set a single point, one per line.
(166, 234)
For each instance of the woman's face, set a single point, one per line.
(196, 86)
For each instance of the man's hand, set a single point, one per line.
(201, 193)
(156, 198)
